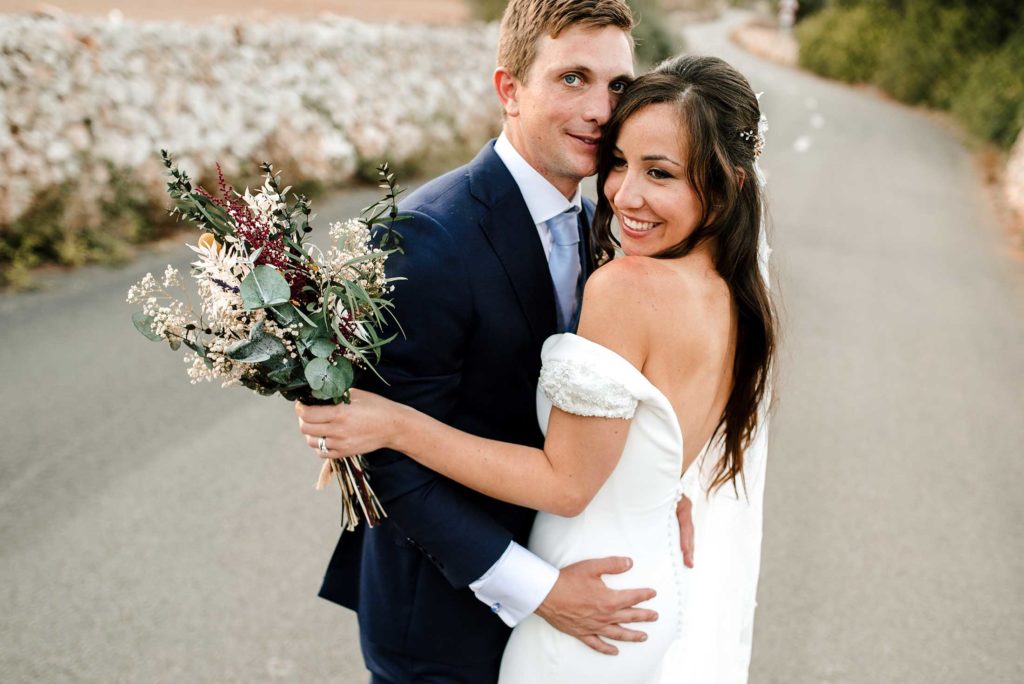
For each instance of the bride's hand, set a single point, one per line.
(368, 423)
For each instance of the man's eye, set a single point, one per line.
(618, 87)
(571, 79)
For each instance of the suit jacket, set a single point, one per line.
(476, 307)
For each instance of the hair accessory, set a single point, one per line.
(756, 138)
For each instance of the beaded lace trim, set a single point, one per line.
(578, 388)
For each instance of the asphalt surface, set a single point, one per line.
(152, 531)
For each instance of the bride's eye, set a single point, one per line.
(658, 174)
(618, 163)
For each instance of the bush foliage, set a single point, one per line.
(66, 226)
(952, 54)
(655, 39)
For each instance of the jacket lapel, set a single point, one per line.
(510, 230)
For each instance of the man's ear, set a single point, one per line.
(507, 87)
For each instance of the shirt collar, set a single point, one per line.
(543, 200)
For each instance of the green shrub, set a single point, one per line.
(68, 227)
(655, 40)
(950, 54)
(844, 43)
(990, 102)
(927, 54)
(487, 10)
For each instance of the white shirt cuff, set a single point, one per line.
(516, 584)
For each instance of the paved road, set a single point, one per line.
(892, 548)
(153, 531)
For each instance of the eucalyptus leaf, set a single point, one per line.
(261, 346)
(316, 373)
(264, 286)
(327, 379)
(322, 347)
(283, 376)
(144, 324)
(317, 394)
(285, 314)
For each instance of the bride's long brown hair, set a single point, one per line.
(719, 115)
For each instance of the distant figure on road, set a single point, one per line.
(787, 14)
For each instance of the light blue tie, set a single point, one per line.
(564, 264)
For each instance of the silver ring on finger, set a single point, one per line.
(321, 444)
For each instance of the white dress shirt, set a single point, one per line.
(519, 581)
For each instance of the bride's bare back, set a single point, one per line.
(677, 323)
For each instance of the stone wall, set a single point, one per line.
(83, 99)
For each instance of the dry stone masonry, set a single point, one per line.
(82, 98)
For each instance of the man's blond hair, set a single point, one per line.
(525, 21)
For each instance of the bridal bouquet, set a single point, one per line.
(278, 315)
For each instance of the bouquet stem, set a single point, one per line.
(356, 493)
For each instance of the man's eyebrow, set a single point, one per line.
(575, 67)
(625, 78)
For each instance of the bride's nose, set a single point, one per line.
(627, 195)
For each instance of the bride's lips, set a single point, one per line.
(635, 228)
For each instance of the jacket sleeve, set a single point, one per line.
(423, 369)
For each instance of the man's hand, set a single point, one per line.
(684, 513)
(581, 605)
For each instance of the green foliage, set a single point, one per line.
(655, 40)
(487, 10)
(263, 287)
(927, 53)
(96, 219)
(950, 54)
(844, 44)
(991, 101)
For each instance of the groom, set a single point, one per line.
(496, 254)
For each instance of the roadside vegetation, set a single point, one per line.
(962, 56)
(655, 39)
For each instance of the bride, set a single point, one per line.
(666, 376)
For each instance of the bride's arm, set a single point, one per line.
(578, 455)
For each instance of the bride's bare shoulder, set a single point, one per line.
(619, 301)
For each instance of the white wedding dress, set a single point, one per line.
(633, 514)
(703, 634)
(705, 628)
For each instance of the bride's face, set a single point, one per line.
(655, 206)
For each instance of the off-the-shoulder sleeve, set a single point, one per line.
(582, 388)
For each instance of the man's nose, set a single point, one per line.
(599, 105)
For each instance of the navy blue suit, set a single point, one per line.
(476, 307)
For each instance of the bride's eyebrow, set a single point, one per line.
(659, 157)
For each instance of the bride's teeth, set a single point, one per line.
(638, 225)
